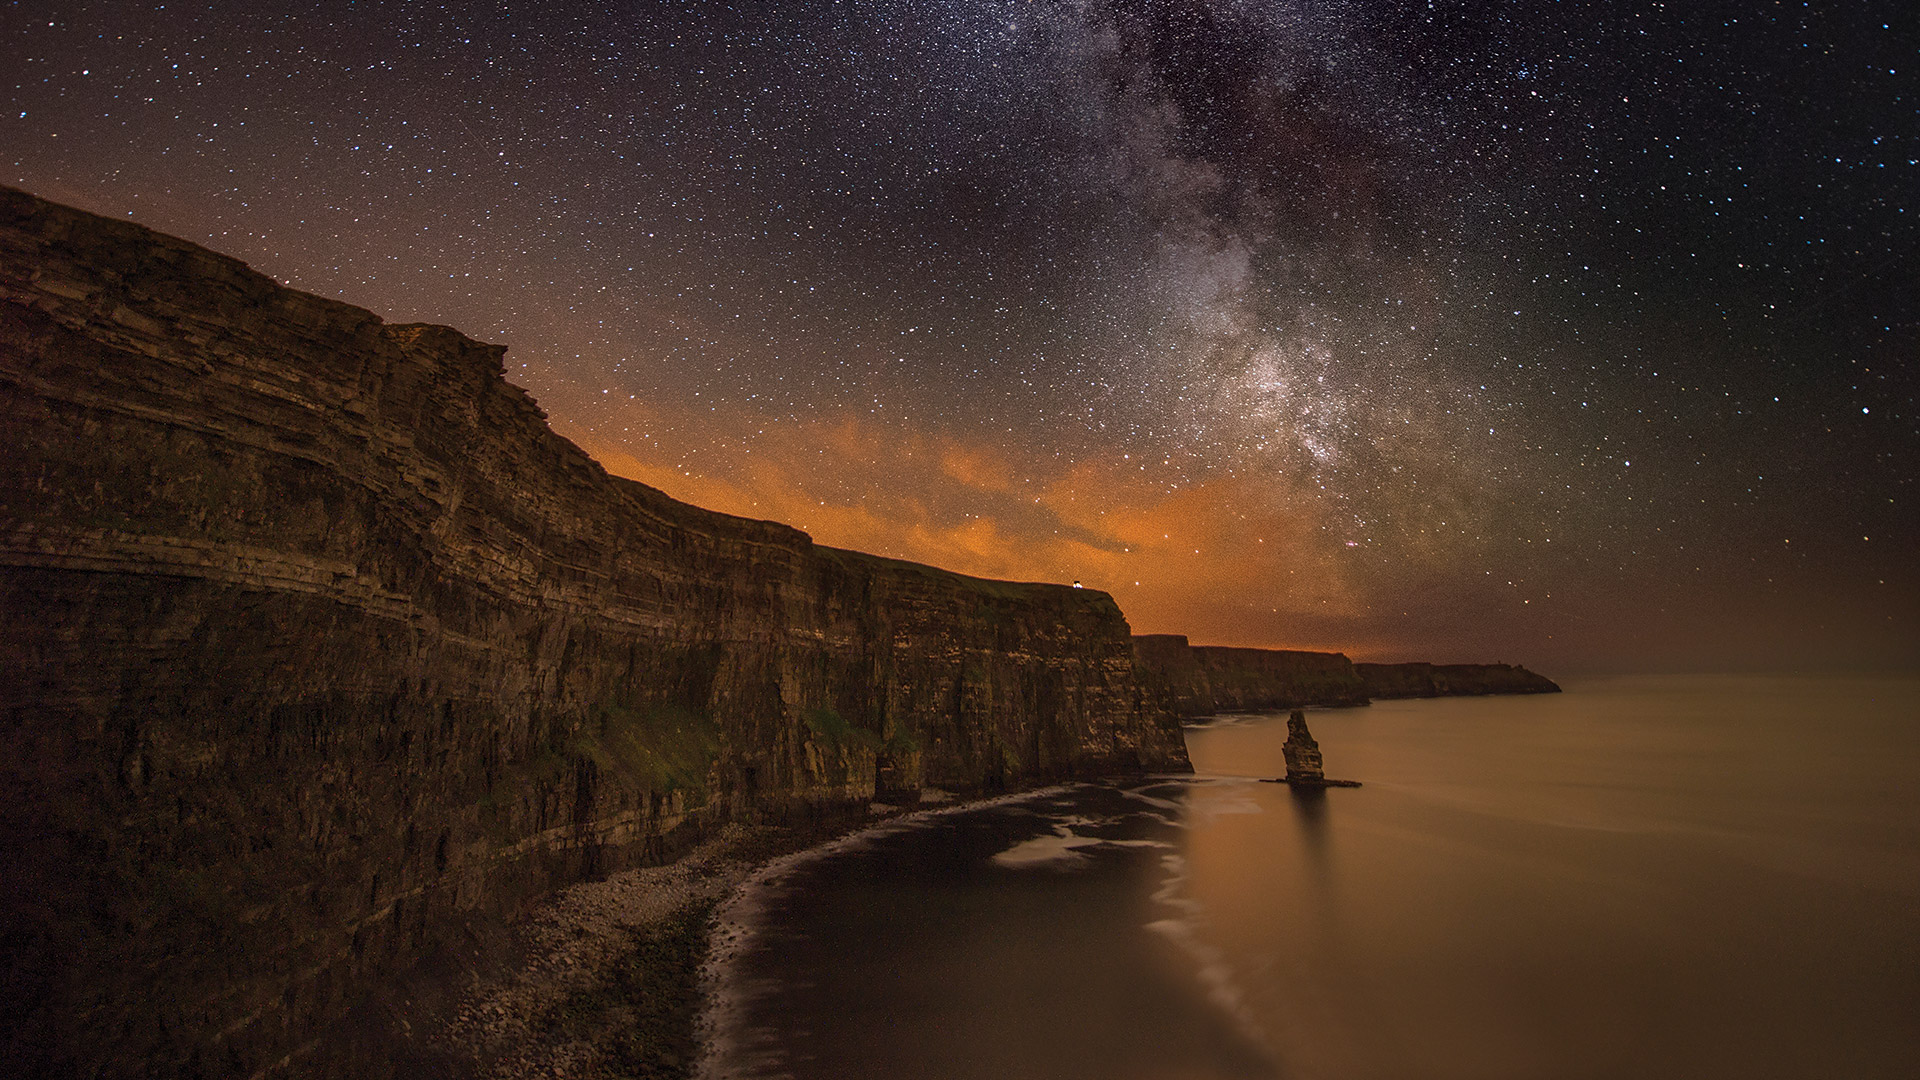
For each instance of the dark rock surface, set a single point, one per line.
(321, 651)
(1172, 672)
(1302, 752)
(1201, 680)
(1451, 680)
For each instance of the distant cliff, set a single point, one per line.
(1451, 680)
(319, 645)
(1201, 680)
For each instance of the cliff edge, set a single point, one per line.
(320, 648)
(1451, 680)
(1201, 680)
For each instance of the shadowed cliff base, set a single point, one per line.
(599, 981)
(324, 655)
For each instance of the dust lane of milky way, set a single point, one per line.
(1578, 335)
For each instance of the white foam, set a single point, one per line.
(731, 1047)
(1216, 974)
(1060, 849)
(1065, 847)
(1152, 800)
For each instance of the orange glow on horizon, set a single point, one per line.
(1219, 560)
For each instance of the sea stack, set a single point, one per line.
(1303, 754)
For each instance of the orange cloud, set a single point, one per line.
(977, 467)
(1226, 560)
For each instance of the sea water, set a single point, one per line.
(1665, 877)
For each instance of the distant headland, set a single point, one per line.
(1202, 680)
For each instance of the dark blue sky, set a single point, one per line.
(1576, 334)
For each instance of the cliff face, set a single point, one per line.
(1173, 673)
(319, 646)
(1200, 680)
(1249, 679)
(1449, 680)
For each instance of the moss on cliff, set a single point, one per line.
(662, 749)
(834, 730)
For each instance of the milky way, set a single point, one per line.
(1579, 335)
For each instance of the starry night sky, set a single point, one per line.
(1585, 336)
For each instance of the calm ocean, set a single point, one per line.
(1640, 878)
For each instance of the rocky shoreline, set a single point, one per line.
(616, 979)
(598, 981)
(609, 987)
(342, 661)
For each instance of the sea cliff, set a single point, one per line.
(320, 648)
(1202, 680)
(1451, 680)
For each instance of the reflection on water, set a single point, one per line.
(1041, 938)
(1657, 878)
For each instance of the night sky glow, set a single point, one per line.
(1577, 335)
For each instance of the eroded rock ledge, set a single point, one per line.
(320, 649)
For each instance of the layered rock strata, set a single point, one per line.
(1301, 751)
(319, 647)
(1201, 680)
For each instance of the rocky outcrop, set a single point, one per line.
(1450, 680)
(1301, 751)
(321, 649)
(1201, 680)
